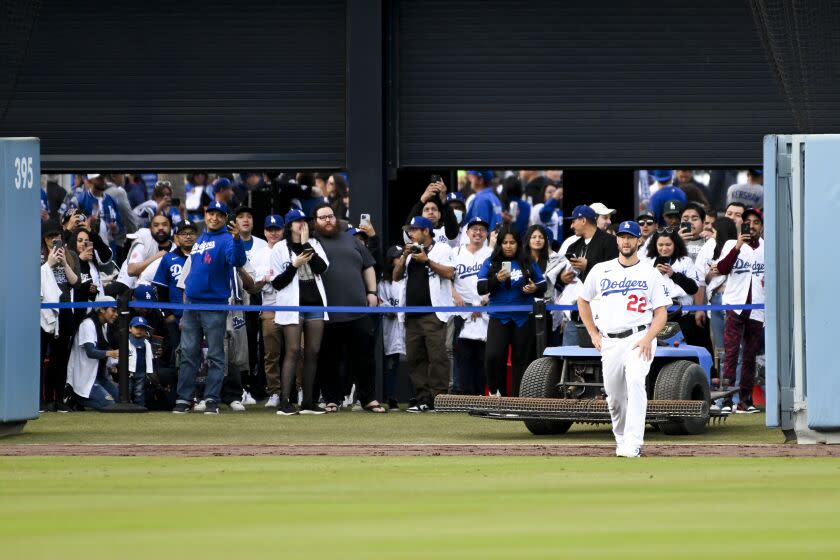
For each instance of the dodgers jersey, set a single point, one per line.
(627, 295)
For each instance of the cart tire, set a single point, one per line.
(540, 380)
(683, 380)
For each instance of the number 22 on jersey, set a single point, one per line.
(637, 303)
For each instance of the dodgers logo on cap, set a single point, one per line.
(139, 322)
(218, 207)
(293, 215)
(629, 228)
(419, 222)
(273, 221)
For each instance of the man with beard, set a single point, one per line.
(148, 246)
(350, 280)
(632, 310)
(166, 280)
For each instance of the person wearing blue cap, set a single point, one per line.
(663, 190)
(140, 359)
(593, 246)
(632, 308)
(751, 193)
(206, 279)
(428, 268)
(272, 333)
(485, 204)
(299, 263)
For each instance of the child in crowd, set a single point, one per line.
(140, 359)
(393, 325)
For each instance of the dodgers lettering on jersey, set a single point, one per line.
(624, 297)
(623, 286)
(742, 266)
(465, 271)
(199, 248)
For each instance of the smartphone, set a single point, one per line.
(231, 219)
(307, 251)
(435, 179)
(685, 226)
(662, 260)
(570, 256)
(176, 202)
(506, 266)
(364, 220)
(57, 244)
(745, 229)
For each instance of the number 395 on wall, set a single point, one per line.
(24, 174)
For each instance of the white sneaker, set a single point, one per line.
(357, 407)
(714, 408)
(201, 406)
(247, 399)
(629, 452)
(273, 401)
(414, 409)
(237, 406)
(726, 409)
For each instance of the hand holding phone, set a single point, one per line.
(364, 220)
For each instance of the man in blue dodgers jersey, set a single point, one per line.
(484, 204)
(206, 279)
(166, 280)
(632, 309)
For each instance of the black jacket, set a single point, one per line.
(602, 247)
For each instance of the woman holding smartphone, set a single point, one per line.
(90, 283)
(668, 254)
(301, 261)
(510, 277)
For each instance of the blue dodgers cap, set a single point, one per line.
(487, 175)
(419, 222)
(455, 196)
(661, 175)
(477, 222)
(274, 221)
(144, 292)
(140, 322)
(218, 207)
(221, 184)
(294, 215)
(629, 228)
(583, 211)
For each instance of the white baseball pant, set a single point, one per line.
(624, 373)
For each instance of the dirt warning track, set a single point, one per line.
(413, 450)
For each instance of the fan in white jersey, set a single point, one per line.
(632, 309)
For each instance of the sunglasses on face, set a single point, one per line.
(646, 222)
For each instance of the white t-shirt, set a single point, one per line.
(81, 370)
(746, 273)
(626, 296)
(467, 265)
(260, 260)
(393, 328)
(137, 255)
(705, 260)
(258, 244)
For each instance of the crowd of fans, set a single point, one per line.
(494, 240)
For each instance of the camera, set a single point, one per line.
(745, 228)
(415, 249)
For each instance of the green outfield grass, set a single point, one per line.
(418, 507)
(261, 426)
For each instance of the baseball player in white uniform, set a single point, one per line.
(631, 310)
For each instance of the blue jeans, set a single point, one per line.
(570, 334)
(103, 394)
(212, 325)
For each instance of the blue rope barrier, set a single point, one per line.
(360, 309)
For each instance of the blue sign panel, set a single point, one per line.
(20, 235)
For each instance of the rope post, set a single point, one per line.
(122, 330)
(540, 325)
